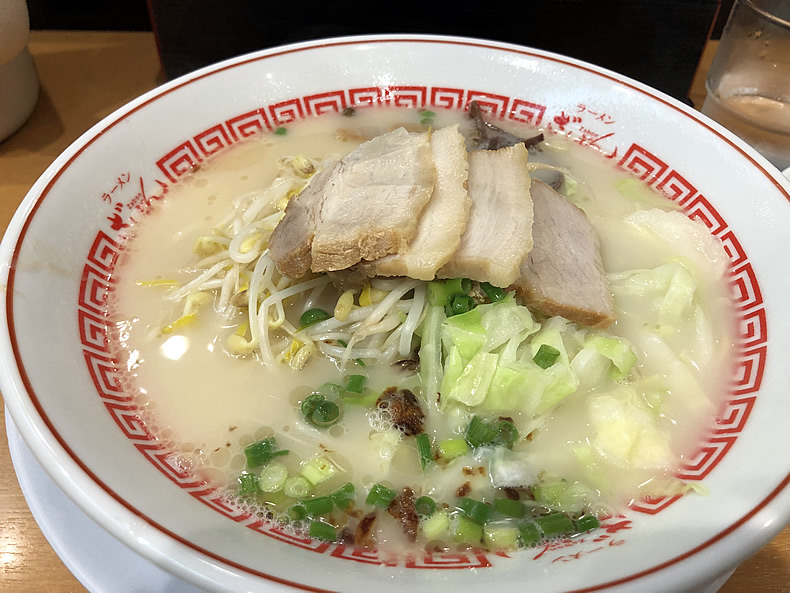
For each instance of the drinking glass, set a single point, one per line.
(748, 84)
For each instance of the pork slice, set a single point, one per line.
(444, 218)
(563, 274)
(292, 239)
(374, 202)
(498, 234)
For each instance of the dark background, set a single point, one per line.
(657, 42)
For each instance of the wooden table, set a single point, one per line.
(84, 77)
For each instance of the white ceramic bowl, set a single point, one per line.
(61, 387)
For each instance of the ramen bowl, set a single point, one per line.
(64, 388)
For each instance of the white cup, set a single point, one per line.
(19, 85)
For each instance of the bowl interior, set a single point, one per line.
(63, 386)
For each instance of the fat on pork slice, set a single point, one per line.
(444, 218)
(563, 274)
(366, 206)
(292, 239)
(498, 234)
(372, 205)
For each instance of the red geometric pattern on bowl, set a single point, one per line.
(97, 284)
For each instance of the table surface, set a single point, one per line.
(84, 77)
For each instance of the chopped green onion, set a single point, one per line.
(296, 487)
(318, 505)
(343, 496)
(500, 536)
(459, 304)
(555, 524)
(367, 399)
(281, 131)
(478, 433)
(529, 533)
(587, 523)
(380, 496)
(509, 508)
(452, 448)
(324, 531)
(272, 477)
(507, 433)
(262, 452)
(312, 316)
(310, 402)
(356, 383)
(458, 286)
(467, 531)
(296, 513)
(425, 506)
(330, 390)
(494, 293)
(500, 432)
(318, 470)
(437, 293)
(477, 511)
(546, 356)
(424, 449)
(248, 483)
(325, 413)
(436, 526)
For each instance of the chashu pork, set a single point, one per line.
(444, 219)
(498, 234)
(364, 207)
(373, 202)
(292, 239)
(563, 274)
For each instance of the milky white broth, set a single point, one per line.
(207, 405)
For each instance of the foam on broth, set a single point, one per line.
(207, 405)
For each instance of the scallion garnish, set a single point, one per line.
(281, 131)
(318, 505)
(424, 449)
(452, 448)
(494, 293)
(323, 531)
(356, 383)
(587, 523)
(477, 511)
(529, 534)
(546, 356)
(482, 434)
(248, 483)
(478, 433)
(467, 531)
(380, 496)
(262, 452)
(312, 316)
(343, 496)
(272, 477)
(509, 508)
(296, 512)
(319, 411)
(437, 293)
(296, 487)
(458, 286)
(555, 524)
(325, 413)
(507, 433)
(425, 506)
(459, 304)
